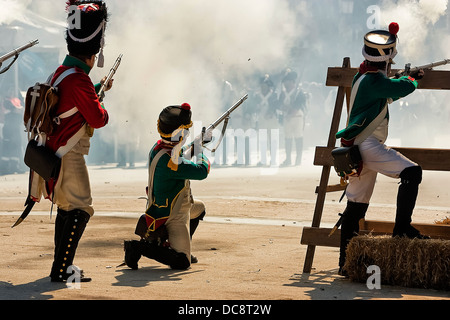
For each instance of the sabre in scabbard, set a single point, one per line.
(101, 93)
(337, 225)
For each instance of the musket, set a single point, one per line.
(206, 132)
(408, 70)
(15, 53)
(101, 93)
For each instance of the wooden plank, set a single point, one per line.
(332, 188)
(429, 159)
(438, 80)
(322, 156)
(340, 77)
(435, 231)
(320, 236)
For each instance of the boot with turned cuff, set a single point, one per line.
(406, 201)
(69, 227)
(350, 227)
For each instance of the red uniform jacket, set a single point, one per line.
(76, 90)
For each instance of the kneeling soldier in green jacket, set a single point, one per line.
(172, 214)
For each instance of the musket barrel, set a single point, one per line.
(113, 70)
(18, 50)
(431, 65)
(111, 73)
(227, 113)
(213, 125)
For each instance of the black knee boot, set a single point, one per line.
(350, 227)
(406, 201)
(165, 255)
(193, 223)
(288, 148)
(133, 252)
(299, 150)
(135, 249)
(69, 227)
(192, 227)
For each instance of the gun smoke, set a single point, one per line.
(178, 51)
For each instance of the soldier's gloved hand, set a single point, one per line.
(418, 74)
(207, 136)
(108, 85)
(197, 147)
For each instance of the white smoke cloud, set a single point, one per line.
(181, 51)
(12, 10)
(416, 19)
(421, 41)
(177, 51)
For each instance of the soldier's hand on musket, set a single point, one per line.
(197, 146)
(108, 85)
(418, 74)
(207, 136)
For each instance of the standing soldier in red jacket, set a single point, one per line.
(79, 112)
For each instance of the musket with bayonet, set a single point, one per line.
(408, 70)
(204, 138)
(15, 53)
(112, 72)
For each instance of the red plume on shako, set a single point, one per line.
(394, 28)
(186, 106)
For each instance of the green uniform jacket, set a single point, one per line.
(168, 184)
(374, 91)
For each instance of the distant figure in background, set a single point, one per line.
(264, 109)
(127, 144)
(292, 103)
(12, 146)
(228, 95)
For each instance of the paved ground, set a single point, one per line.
(248, 246)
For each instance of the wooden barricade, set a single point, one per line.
(428, 159)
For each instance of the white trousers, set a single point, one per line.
(377, 158)
(178, 224)
(73, 189)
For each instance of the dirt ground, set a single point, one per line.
(248, 246)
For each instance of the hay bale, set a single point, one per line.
(402, 261)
